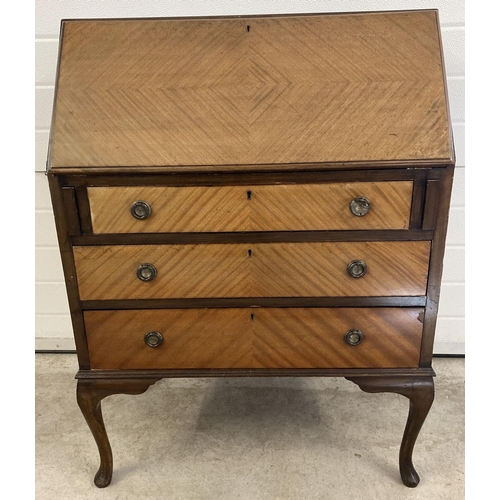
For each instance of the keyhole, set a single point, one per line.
(249, 195)
(251, 316)
(248, 28)
(249, 253)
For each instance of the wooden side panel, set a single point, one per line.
(59, 204)
(260, 270)
(436, 263)
(286, 207)
(254, 338)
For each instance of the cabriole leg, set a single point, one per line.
(89, 394)
(420, 392)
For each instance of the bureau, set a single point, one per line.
(252, 196)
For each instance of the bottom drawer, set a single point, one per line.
(254, 338)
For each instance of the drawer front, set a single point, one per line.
(260, 270)
(294, 207)
(254, 338)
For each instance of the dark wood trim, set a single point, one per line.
(250, 237)
(417, 203)
(73, 351)
(255, 372)
(432, 194)
(436, 268)
(84, 209)
(69, 272)
(55, 351)
(220, 178)
(71, 211)
(90, 305)
(280, 167)
(420, 392)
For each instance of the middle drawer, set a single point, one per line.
(320, 269)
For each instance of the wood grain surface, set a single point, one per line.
(249, 91)
(286, 207)
(254, 338)
(272, 270)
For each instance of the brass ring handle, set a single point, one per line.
(360, 206)
(146, 272)
(357, 268)
(354, 337)
(153, 339)
(140, 210)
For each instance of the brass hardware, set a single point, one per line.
(354, 337)
(357, 268)
(360, 206)
(146, 272)
(153, 339)
(140, 210)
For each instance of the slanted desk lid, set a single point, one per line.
(283, 92)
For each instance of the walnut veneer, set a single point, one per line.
(252, 196)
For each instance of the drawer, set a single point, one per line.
(254, 338)
(293, 207)
(262, 270)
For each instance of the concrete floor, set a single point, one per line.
(251, 438)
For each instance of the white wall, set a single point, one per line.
(53, 326)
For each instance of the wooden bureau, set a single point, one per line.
(252, 196)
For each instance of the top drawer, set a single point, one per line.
(284, 207)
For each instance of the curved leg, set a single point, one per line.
(420, 392)
(89, 394)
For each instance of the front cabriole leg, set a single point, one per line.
(89, 394)
(420, 392)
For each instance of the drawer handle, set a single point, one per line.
(153, 339)
(357, 268)
(140, 210)
(354, 337)
(146, 272)
(360, 206)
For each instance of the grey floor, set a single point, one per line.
(255, 439)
